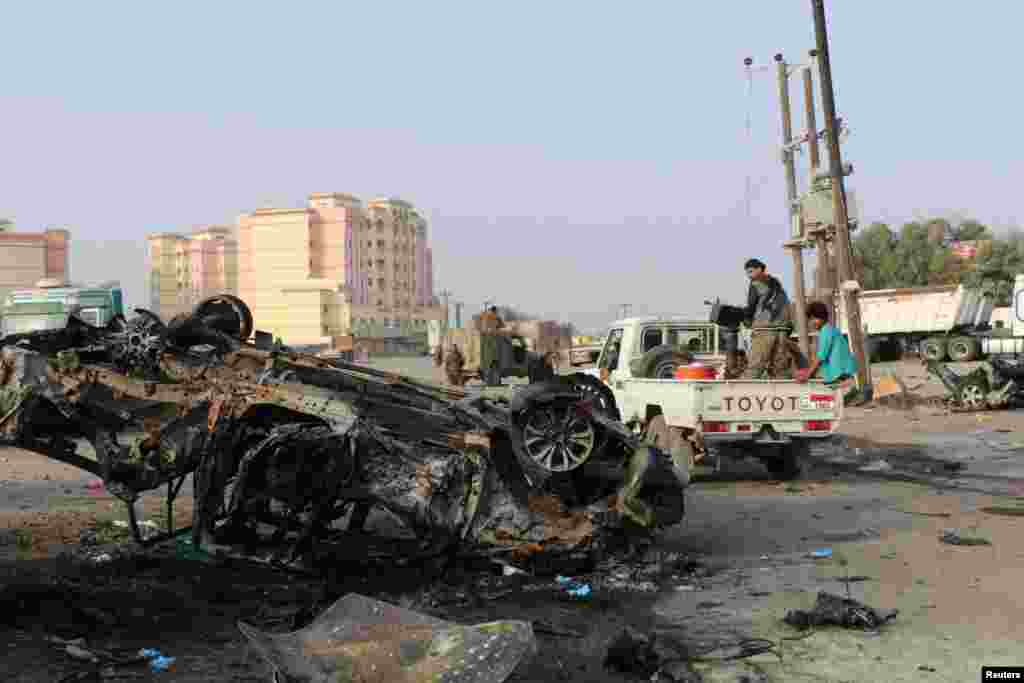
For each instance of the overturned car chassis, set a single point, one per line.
(297, 458)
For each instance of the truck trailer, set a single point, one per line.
(943, 322)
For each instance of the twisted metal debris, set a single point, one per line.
(296, 458)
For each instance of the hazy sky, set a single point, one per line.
(570, 156)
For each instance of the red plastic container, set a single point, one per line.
(691, 372)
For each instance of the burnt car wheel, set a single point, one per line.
(227, 314)
(557, 436)
(597, 393)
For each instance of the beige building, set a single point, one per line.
(28, 257)
(332, 268)
(336, 267)
(185, 269)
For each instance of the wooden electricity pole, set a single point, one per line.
(824, 284)
(850, 299)
(792, 208)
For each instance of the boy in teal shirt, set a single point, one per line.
(833, 356)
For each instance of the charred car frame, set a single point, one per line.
(297, 458)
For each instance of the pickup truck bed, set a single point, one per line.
(773, 420)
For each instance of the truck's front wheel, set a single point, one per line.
(788, 462)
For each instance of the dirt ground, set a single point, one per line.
(730, 572)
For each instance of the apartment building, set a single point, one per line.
(337, 266)
(28, 257)
(187, 268)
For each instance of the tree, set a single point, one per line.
(997, 265)
(914, 257)
(874, 257)
(970, 230)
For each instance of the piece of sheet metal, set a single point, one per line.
(362, 640)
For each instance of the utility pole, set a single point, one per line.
(824, 285)
(458, 314)
(850, 299)
(795, 247)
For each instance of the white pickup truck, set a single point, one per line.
(773, 420)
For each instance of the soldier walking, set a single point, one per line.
(767, 313)
(453, 364)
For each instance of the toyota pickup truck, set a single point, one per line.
(772, 420)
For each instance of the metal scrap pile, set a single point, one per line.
(295, 456)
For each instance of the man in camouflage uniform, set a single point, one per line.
(769, 318)
(453, 363)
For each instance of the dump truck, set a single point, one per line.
(938, 322)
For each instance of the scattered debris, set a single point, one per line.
(361, 639)
(576, 589)
(677, 671)
(1004, 511)
(922, 514)
(834, 610)
(958, 537)
(657, 657)
(157, 661)
(889, 386)
(550, 629)
(878, 465)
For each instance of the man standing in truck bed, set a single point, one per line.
(768, 315)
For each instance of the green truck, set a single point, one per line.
(48, 305)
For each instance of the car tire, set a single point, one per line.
(963, 349)
(597, 391)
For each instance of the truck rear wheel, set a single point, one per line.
(933, 349)
(963, 349)
(788, 462)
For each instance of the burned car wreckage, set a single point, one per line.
(292, 454)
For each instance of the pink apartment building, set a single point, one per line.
(185, 269)
(334, 267)
(27, 257)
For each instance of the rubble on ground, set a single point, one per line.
(835, 610)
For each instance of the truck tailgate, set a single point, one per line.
(734, 408)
